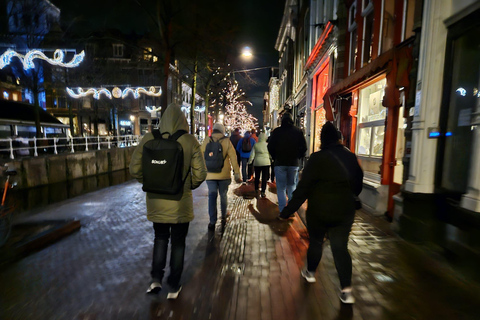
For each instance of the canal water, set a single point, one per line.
(38, 197)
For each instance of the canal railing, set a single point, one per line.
(33, 147)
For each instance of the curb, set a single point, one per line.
(38, 235)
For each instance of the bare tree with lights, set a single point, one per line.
(236, 114)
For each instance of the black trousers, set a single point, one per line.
(338, 235)
(264, 171)
(163, 232)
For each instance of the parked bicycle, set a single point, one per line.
(7, 206)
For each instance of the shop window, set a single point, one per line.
(388, 25)
(368, 31)
(352, 29)
(409, 9)
(464, 98)
(371, 125)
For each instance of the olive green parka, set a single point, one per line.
(162, 208)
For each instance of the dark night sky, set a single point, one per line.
(258, 23)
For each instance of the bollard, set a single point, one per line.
(72, 151)
(108, 142)
(55, 145)
(98, 141)
(86, 144)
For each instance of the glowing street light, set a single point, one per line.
(247, 53)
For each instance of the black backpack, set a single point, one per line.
(162, 164)
(246, 145)
(214, 155)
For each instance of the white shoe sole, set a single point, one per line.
(307, 278)
(174, 295)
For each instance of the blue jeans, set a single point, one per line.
(214, 188)
(286, 177)
(163, 232)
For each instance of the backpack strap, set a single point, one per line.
(177, 134)
(156, 134)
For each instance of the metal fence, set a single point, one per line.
(13, 148)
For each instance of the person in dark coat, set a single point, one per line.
(234, 138)
(287, 146)
(330, 181)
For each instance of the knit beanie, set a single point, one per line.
(329, 134)
(219, 127)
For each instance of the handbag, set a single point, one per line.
(358, 202)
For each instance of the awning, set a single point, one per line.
(13, 112)
(375, 67)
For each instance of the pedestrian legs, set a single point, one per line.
(292, 175)
(244, 169)
(343, 261)
(213, 188)
(223, 189)
(179, 233)
(160, 247)
(315, 247)
(281, 176)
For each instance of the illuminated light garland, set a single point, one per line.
(136, 92)
(92, 91)
(196, 109)
(27, 59)
(153, 111)
(116, 92)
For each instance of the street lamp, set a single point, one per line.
(247, 53)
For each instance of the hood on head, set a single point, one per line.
(329, 134)
(173, 119)
(247, 134)
(219, 127)
(262, 137)
(287, 119)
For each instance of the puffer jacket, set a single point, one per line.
(162, 208)
(260, 155)
(229, 155)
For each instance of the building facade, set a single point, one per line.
(441, 196)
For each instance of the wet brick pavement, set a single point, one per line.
(246, 269)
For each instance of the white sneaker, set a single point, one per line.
(309, 276)
(174, 295)
(347, 297)
(155, 287)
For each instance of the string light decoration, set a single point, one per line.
(236, 115)
(27, 59)
(116, 92)
(153, 111)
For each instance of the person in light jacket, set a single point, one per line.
(260, 157)
(171, 218)
(219, 182)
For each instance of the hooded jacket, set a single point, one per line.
(245, 155)
(161, 208)
(259, 155)
(287, 144)
(229, 155)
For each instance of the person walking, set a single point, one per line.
(170, 216)
(260, 158)
(244, 147)
(234, 138)
(331, 180)
(287, 146)
(218, 182)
